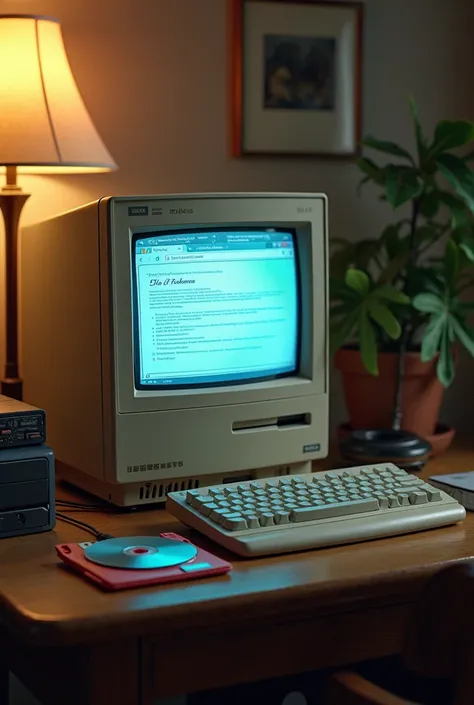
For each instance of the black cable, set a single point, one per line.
(84, 526)
(79, 505)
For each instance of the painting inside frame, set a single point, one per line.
(296, 77)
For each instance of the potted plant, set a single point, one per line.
(397, 301)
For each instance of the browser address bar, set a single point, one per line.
(226, 255)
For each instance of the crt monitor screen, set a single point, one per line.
(214, 306)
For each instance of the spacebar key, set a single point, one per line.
(328, 511)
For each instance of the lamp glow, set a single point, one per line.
(44, 129)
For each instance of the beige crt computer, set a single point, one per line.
(178, 341)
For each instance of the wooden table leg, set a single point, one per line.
(97, 674)
(113, 674)
(4, 685)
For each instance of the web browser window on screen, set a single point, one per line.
(215, 306)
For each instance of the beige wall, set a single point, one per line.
(154, 75)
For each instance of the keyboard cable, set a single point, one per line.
(99, 535)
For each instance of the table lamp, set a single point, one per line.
(44, 129)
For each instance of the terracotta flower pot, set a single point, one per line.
(370, 400)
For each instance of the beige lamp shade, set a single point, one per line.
(44, 124)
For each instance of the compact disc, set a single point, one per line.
(140, 552)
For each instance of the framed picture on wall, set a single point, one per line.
(296, 77)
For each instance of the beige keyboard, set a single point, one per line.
(294, 513)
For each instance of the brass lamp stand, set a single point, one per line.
(12, 200)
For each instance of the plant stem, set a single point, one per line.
(397, 411)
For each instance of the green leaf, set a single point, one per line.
(390, 293)
(468, 249)
(421, 142)
(469, 156)
(387, 147)
(426, 233)
(368, 343)
(385, 318)
(463, 333)
(460, 213)
(459, 218)
(445, 366)
(339, 291)
(358, 280)
(451, 256)
(428, 303)
(451, 134)
(429, 204)
(341, 331)
(426, 279)
(394, 267)
(432, 337)
(365, 251)
(391, 240)
(464, 237)
(459, 176)
(374, 172)
(340, 309)
(402, 185)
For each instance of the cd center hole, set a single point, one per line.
(140, 550)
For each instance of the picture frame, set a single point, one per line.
(296, 78)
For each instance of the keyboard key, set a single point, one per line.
(234, 523)
(292, 505)
(216, 514)
(398, 489)
(418, 497)
(434, 495)
(198, 501)
(277, 508)
(190, 494)
(208, 508)
(249, 507)
(252, 521)
(266, 519)
(282, 517)
(334, 510)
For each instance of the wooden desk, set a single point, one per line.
(71, 643)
